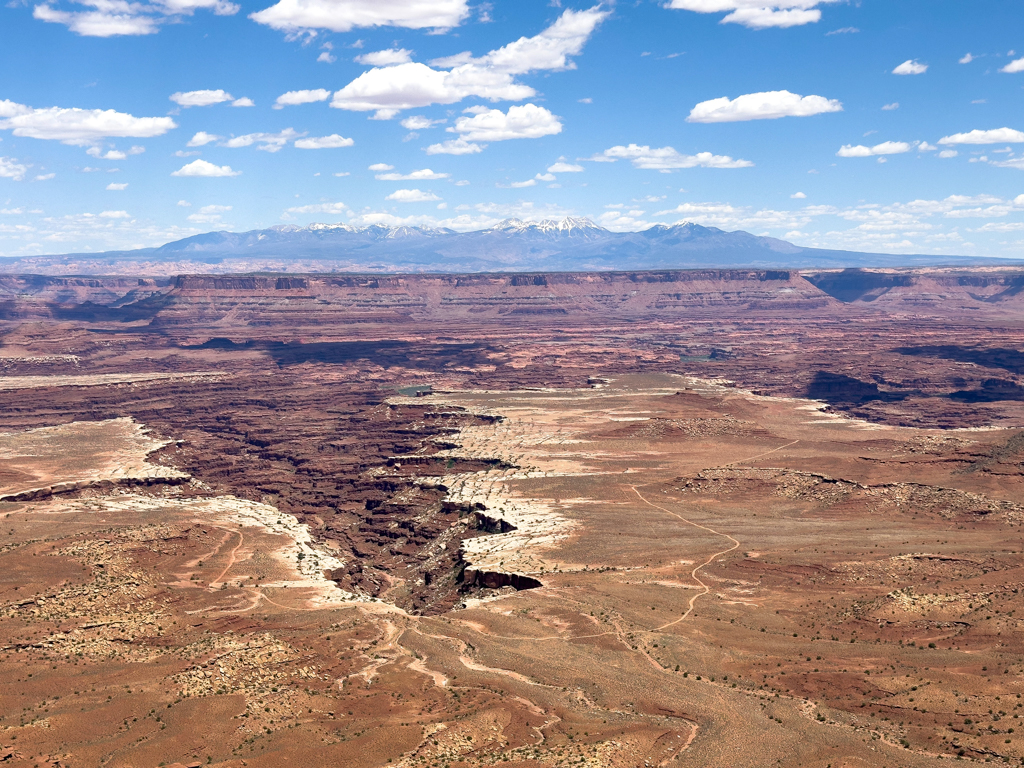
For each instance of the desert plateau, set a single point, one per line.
(695, 518)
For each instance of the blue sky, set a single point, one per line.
(881, 125)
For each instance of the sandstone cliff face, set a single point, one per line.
(924, 289)
(277, 300)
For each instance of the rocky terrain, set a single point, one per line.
(607, 519)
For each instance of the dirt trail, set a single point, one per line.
(693, 574)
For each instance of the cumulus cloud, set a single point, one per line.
(412, 196)
(334, 141)
(385, 58)
(79, 127)
(667, 158)
(522, 184)
(388, 90)
(422, 175)
(268, 142)
(769, 105)
(113, 154)
(203, 168)
(45, 177)
(111, 18)
(911, 67)
(948, 153)
(885, 148)
(798, 196)
(420, 123)
(563, 167)
(759, 14)
(203, 138)
(1017, 65)
(344, 15)
(12, 169)
(293, 98)
(527, 121)
(116, 187)
(455, 147)
(201, 98)
(995, 136)
(891, 107)
(967, 58)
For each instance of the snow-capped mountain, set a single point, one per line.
(569, 244)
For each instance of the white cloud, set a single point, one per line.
(344, 15)
(967, 58)
(113, 154)
(492, 76)
(381, 167)
(422, 175)
(667, 158)
(111, 18)
(412, 196)
(948, 153)
(334, 141)
(760, 14)
(116, 187)
(327, 58)
(545, 177)
(203, 138)
(245, 101)
(995, 136)
(1017, 162)
(45, 177)
(1017, 65)
(342, 174)
(885, 148)
(761, 106)
(203, 168)
(79, 127)
(12, 169)
(924, 146)
(798, 196)
(454, 147)
(522, 184)
(333, 208)
(268, 142)
(911, 67)
(385, 58)
(293, 98)
(890, 107)
(115, 215)
(420, 123)
(184, 204)
(209, 214)
(563, 167)
(843, 31)
(527, 121)
(201, 98)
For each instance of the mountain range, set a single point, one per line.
(512, 245)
